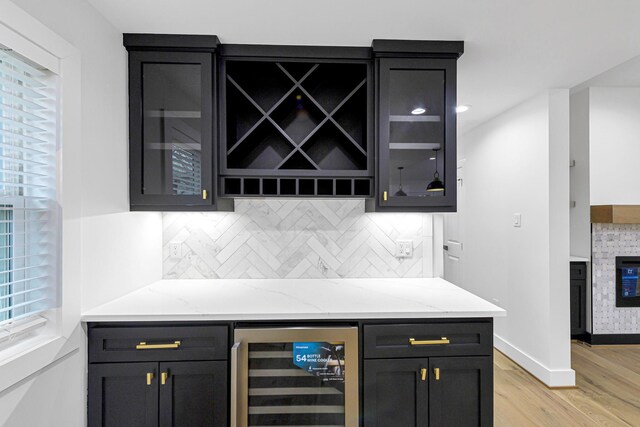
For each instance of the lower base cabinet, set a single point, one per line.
(436, 391)
(394, 392)
(121, 394)
(161, 394)
(158, 375)
(195, 394)
(415, 373)
(578, 298)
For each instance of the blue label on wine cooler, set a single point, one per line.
(321, 359)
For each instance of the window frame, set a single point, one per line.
(40, 344)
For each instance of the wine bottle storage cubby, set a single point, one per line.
(301, 118)
(295, 186)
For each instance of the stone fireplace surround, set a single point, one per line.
(607, 242)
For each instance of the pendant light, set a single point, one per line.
(400, 193)
(436, 185)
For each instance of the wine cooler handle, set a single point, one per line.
(235, 377)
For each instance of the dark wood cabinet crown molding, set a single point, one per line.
(294, 52)
(182, 42)
(419, 48)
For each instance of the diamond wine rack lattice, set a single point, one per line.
(299, 120)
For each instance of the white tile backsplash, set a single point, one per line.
(293, 238)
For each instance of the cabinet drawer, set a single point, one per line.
(578, 271)
(429, 339)
(157, 343)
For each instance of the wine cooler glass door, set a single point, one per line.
(295, 376)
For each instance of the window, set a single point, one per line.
(28, 223)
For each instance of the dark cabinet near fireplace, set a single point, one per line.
(415, 125)
(578, 298)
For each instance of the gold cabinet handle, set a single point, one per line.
(149, 377)
(163, 378)
(442, 340)
(204, 194)
(384, 196)
(423, 374)
(436, 372)
(144, 346)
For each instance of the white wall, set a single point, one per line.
(614, 148)
(48, 398)
(518, 163)
(121, 251)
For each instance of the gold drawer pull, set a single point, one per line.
(442, 340)
(423, 374)
(149, 378)
(436, 371)
(144, 346)
(163, 378)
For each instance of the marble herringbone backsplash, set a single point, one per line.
(290, 238)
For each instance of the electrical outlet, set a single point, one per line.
(404, 248)
(175, 249)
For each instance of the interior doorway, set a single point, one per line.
(453, 249)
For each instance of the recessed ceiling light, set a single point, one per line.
(418, 110)
(432, 158)
(462, 108)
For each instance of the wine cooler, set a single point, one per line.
(294, 377)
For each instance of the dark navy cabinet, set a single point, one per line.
(172, 122)
(578, 298)
(412, 372)
(211, 122)
(428, 374)
(415, 125)
(152, 376)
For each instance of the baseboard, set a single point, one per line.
(612, 339)
(584, 337)
(550, 377)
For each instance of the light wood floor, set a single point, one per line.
(607, 393)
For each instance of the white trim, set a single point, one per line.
(12, 330)
(62, 334)
(551, 377)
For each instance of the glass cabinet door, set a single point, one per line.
(171, 120)
(416, 121)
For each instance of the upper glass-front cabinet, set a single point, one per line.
(171, 122)
(416, 135)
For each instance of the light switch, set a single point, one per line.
(517, 220)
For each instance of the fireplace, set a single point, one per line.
(627, 281)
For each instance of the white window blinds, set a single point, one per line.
(28, 240)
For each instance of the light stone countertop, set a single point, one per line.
(578, 259)
(287, 299)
